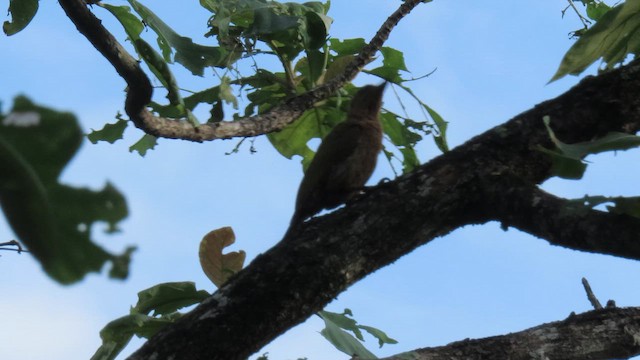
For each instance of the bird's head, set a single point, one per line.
(368, 100)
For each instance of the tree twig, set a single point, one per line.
(140, 90)
(19, 249)
(590, 295)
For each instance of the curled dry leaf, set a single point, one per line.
(218, 266)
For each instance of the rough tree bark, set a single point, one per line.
(492, 177)
(605, 334)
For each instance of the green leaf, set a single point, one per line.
(311, 68)
(131, 24)
(226, 92)
(342, 321)
(156, 62)
(392, 64)
(266, 97)
(440, 138)
(210, 96)
(596, 10)
(393, 58)
(345, 342)
(442, 125)
(166, 298)
(192, 56)
(286, 28)
(117, 334)
(268, 22)
(293, 139)
(402, 138)
(612, 38)
(120, 268)
(337, 67)
(146, 143)
(161, 69)
(317, 62)
(347, 46)
(317, 30)
(109, 133)
(382, 337)
(162, 299)
(54, 220)
(564, 166)
(409, 159)
(568, 158)
(613, 141)
(22, 12)
(398, 133)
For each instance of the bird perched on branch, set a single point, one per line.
(345, 159)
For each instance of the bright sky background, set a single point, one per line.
(493, 61)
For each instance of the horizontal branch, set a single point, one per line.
(600, 334)
(390, 221)
(562, 222)
(139, 87)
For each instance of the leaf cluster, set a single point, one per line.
(338, 328)
(297, 36)
(156, 308)
(568, 162)
(614, 36)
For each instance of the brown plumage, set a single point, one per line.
(345, 159)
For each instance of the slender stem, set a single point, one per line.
(584, 20)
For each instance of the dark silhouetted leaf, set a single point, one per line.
(54, 220)
(568, 158)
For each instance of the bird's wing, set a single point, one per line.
(336, 148)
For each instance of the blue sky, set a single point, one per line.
(493, 61)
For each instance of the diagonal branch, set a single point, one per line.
(140, 90)
(600, 334)
(392, 220)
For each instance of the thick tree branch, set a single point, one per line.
(600, 334)
(562, 222)
(281, 288)
(140, 90)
